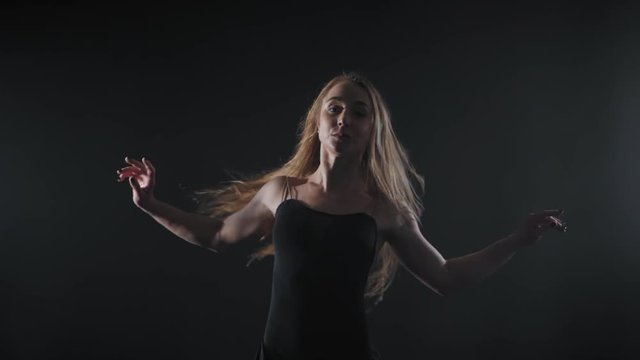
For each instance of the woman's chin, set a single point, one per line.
(343, 150)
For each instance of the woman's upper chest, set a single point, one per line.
(344, 206)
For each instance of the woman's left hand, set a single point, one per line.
(536, 224)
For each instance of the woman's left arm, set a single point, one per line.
(444, 277)
(471, 269)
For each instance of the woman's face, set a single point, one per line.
(345, 121)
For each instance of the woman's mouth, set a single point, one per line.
(341, 135)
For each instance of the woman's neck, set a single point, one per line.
(338, 178)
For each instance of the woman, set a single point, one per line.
(338, 217)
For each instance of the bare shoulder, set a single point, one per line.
(269, 192)
(253, 219)
(391, 215)
(272, 192)
(395, 221)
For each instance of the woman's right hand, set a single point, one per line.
(142, 178)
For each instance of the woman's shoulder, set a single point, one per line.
(279, 183)
(391, 214)
(274, 187)
(277, 189)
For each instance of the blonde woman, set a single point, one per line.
(338, 217)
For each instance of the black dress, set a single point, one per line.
(320, 270)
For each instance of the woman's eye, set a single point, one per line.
(337, 109)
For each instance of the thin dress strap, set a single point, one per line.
(285, 188)
(286, 193)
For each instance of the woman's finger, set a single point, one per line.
(134, 162)
(128, 168)
(149, 165)
(134, 184)
(146, 166)
(558, 224)
(130, 172)
(553, 223)
(543, 226)
(134, 167)
(122, 177)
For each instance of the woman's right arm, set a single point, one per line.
(191, 227)
(253, 220)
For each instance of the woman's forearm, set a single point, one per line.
(194, 228)
(471, 269)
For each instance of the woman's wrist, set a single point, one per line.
(150, 205)
(515, 240)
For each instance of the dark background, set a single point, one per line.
(505, 109)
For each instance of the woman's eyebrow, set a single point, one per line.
(342, 99)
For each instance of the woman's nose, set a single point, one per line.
(343, 119)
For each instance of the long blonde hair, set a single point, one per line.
(388, 173)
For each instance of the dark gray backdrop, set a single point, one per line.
(505, 109)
